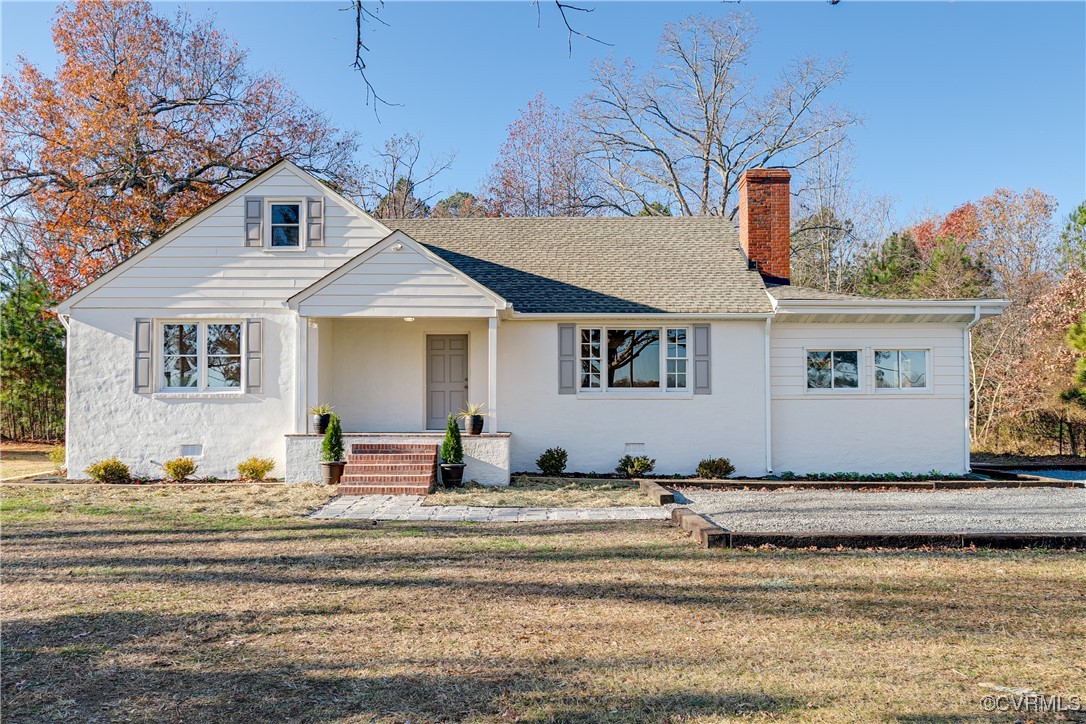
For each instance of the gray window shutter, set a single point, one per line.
(254, 356)
(702, 367)
(567, 359)
(142, 344)
(254, 227)
(314, 223)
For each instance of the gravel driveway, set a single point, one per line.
(1007, 510)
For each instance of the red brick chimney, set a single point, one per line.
(763, 221)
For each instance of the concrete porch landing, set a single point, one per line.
(410, 508)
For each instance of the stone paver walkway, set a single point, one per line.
(410, 508)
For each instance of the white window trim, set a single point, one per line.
(201, 390)
(301, 204)
(860, 359)
(636, 393)
(925, 390)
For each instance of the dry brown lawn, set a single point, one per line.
(24, 459)
(166, 605)
(542, 492)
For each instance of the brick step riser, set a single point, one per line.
(392, 468)
(375, 459)
(387, 479)
(383, 489)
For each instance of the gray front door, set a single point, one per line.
(446, 377)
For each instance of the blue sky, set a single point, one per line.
(957, 98)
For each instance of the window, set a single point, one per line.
(901, 369)
(833, 370)
(286, 225)
(590, 359)
(201, 356)
(634, 358)
(676, 359)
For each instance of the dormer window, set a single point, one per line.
(285, 229)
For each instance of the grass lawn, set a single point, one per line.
(533, 492)
(22, 459)
(152, 605)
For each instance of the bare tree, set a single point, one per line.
(835, 220)
(399, 184)
(688, 129)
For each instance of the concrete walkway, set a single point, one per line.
(410, 508)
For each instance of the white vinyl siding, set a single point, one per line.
(209, 267)
(397, 283)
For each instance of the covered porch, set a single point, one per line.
(396, 341)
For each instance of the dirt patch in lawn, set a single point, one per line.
(110, 614)
(541, 492)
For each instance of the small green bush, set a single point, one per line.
(108, 471)
(256, 468)
(635, 466)
(715, 468)
(179, 468)
(332, 446)
(452, 448)
(552, 462)
(56, 456)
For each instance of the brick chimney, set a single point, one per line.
(764, 223)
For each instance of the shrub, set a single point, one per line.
(56, 456)
(715, 468)
(256, 468)
(332, 446)
(108, 471)
(452, 448)
(635, 466)
(552, 462)
(788, 475)
(179, 468)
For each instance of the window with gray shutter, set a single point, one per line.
(702, 366)
(254, 356)
(143, 383)
(314, 223)
(567, 359)
(254, 217)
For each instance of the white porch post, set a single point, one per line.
(492, 379)
(301, 366)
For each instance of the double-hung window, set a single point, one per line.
(285, 224)
(901, 369)
(833, 369)
(201, 356)
(634, 359)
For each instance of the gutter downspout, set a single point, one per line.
(768, 403)
(967, 386)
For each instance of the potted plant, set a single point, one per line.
(472, 415)
(452, 456)
(332, 453)
(320, 413)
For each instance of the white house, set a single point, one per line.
(676, 337)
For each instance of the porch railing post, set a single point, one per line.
(492, 380)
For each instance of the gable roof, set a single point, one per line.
(183, 224)
(642, 265)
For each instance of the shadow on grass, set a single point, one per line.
(119, 665)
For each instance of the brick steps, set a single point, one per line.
(390, 469)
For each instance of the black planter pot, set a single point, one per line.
(452, 474)
(473, 425)
(332, 472)
(320, 423)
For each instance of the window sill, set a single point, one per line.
(683, 395)
(167, 395)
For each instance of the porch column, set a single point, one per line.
(301, 366)
(492, 379)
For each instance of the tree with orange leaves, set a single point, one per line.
(146, 120)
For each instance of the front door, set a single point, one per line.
(446, 377)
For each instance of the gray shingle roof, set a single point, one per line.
(688, 265)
